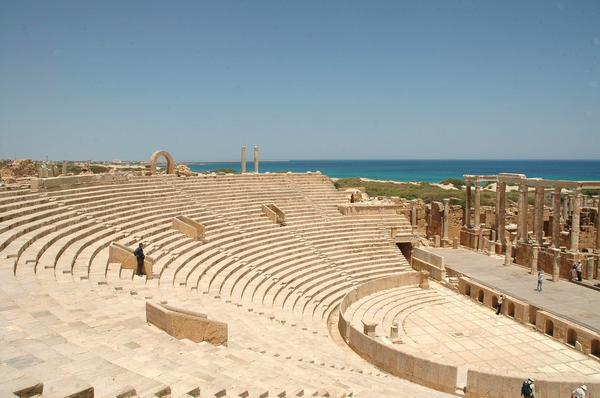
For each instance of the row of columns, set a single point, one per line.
(256, 160)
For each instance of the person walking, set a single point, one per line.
(540, 280)
(499, 304)
(580, 392)
(528, 388)
(578, 270)
(139, 255)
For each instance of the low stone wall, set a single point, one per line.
(191, 228)
(118, 253)
(183, 324)
(357, 209)
(395, 359)
(274, 213)
(423, 260)
(508, 385)
(568, 333)
(62, 182)
(511, 307)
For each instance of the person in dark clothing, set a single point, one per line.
(139, 254)
(499, 305)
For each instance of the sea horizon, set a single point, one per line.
(427, 170)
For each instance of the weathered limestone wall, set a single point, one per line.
(183, 324)
(63, 182)
(274, 213)
(422, 260)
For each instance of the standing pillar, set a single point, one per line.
(598, 226)
(534, 259)
(477, 203)
(575, 220)
(243, 159)
(508, 253)
(413, 213)
(590, 268)
(256, 159)
(538, 215)
(556, 265)
(64, 168)
(556, 218)
(501, 211)
(468, 206)
(565, 208)
(523, 188)
(446, 219)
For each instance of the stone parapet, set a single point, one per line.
(118, 253)
(191, 228)
(63, 182)
(183, 324)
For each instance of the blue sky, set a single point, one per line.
(303, 80)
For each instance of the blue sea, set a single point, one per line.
(423, 170)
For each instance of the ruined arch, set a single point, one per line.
(168, 158)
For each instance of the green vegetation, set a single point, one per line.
(424, 191)
(590, 192)
(223, 171)
(457, 182)
(97, 169)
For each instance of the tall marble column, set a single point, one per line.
(538, 216)
(556, 218)
(256, 159)
(575, 220)
(501, 211)
(598, 226)
(477, 203)
(243, 159)
(446, 219)
(468, 206)
(523, 188)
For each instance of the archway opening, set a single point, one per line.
(480, 296)
(595, 348)
(495, 301)
(511, 309)
(571, 337)
(549, 327)
(168, 158)
(468, 290)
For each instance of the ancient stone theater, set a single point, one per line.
(280, 285)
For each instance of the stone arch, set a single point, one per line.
(511, 309)
(168, 158)
(549, 328)
(571, 337)
(480, 296)
(595, 348)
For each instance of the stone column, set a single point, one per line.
(556, 265)
(501, 211)
(538, 216)
(256, 159)
(590, 268)
(243, 159)
(477, 203)
(446, 219)
(575, 221)
(413, 213)
(598, 227)
(468, 206)
(508, 253)
(556, 218)
(523, 213)
(565, 208)
(534, 259)
(64, 168)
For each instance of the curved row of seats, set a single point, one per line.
(300, 270)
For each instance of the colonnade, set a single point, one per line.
(571, 204)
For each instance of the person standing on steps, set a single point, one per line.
(139, 255)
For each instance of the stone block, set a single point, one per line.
(181, 324)
(191, 228)
(118, 253)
